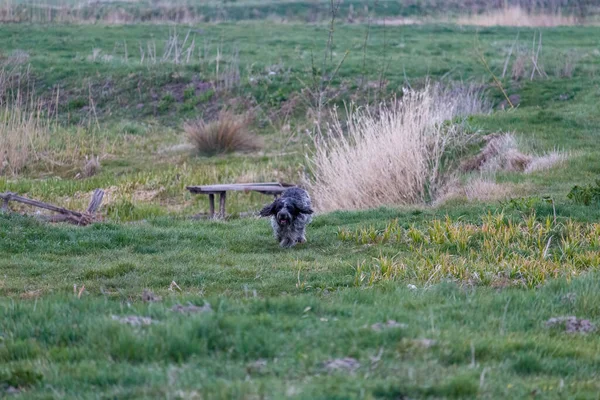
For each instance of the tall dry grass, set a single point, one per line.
(393, 155)
(517, 16)
(24, 133)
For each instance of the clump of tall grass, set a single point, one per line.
(24, 134)
(396, 154)
(228, 133)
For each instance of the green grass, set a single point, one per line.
(487, 343)
(485, 285)
(293, 309)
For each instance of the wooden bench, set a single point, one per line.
(270, 188)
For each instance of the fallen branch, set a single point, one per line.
(70, 216)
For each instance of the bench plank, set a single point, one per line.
(269, 188)
(260, 187)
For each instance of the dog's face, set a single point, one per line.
(285, 211)
(284, 217)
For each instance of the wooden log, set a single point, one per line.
(96, 201)
(222, 199)
(74, 217)
(39, 204)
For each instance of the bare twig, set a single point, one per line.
(496, 80)
(535, 58)
(547, 247)
(509, 55)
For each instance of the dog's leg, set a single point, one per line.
(276, 230)
(286, 242)
(302, 235)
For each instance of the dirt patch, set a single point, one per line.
(257, 366)
(191, 308)
(389, 324)
(347, 364)
(571, 324)
(133, 320)
(515, 100)
(177, 89)
(149, 297)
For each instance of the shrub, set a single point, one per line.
(395, 155)
(585, 194)
(228, 133)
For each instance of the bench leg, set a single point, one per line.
(211, 204)
(222, 198)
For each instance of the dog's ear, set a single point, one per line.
(302, 208)
(270, 209)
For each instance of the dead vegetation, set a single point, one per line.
(228, 133)
(191, 308)
(392, 155)
(91, 166)
(517, 16)
(133, 320)
(347, 364)
(481, 187)
(24, 134)
(501, 153)
(527, 62)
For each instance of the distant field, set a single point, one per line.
(276, 10)
(448, 297)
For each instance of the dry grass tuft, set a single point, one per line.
(393, 155)
(482, 189)
(516, 16)
(228, 133)
(501, 153)
(91, 166)
(477, 188)
(546, 161)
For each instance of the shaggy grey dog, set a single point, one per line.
(289, 216)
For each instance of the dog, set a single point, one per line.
(289, 216)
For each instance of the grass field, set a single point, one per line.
(444, 299)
